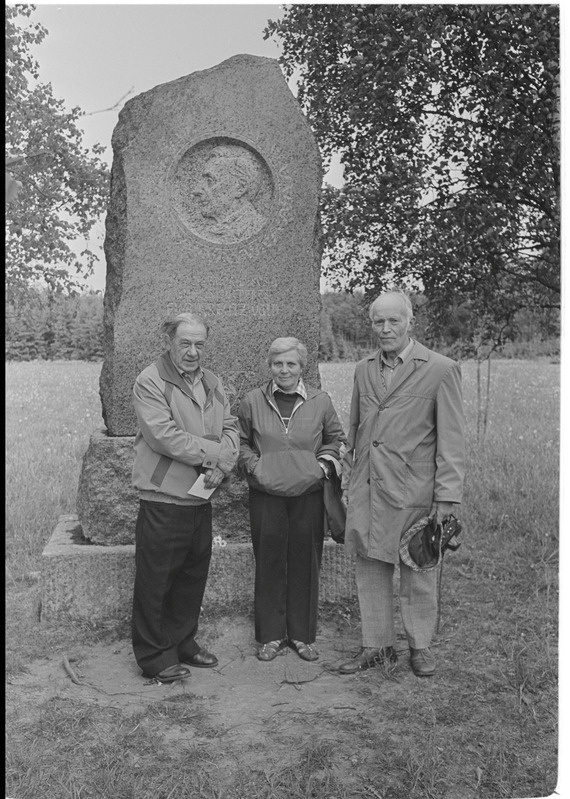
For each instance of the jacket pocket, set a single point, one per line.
(419, 484)
(160, 470)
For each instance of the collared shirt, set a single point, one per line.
(287, 401)
(300, 390)
(389, 370)
(194, 380)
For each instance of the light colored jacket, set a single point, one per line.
(176, 437)
(283, 461)
(405, 449)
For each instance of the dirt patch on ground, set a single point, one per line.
(241, 695)
(247, 713)
(285, 728)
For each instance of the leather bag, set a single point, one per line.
(335, 512)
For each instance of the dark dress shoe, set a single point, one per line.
(423, 662)
(170, 674)
(369, 658)
(202, 660)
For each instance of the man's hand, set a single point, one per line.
(344, 498)
(213, 477)
(441, 510)
(227, 458)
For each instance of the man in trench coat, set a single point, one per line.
(405, 461)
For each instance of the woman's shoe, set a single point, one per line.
(269, 650)
(305, 651)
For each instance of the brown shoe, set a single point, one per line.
(369, 658)
(422, 661)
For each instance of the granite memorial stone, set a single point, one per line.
(214, 208)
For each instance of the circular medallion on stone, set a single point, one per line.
(222, 190)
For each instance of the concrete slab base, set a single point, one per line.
(94, 583)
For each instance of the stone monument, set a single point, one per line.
(214, 208)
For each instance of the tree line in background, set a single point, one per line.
(52, 325)
(48, 325)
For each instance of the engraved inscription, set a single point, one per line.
(222, 190)
(243, 302)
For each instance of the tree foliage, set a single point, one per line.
(446, 120)
(49, 325)
(64, 185)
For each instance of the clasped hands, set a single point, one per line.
(226, 462)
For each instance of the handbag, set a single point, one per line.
(335, 512)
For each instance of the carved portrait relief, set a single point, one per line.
(222, 190)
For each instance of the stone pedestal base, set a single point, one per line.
(107, 504)
(92, 583)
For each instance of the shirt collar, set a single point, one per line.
(192, 377)
(403, 356)
(300, 390)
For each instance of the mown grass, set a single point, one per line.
(486, 728)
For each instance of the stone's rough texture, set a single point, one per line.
(107, 504)
(214, 208)
(88, 583)
(95, 583)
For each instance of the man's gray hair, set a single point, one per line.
(170, 325)
(393, 293)
(284, 344)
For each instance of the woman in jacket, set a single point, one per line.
(289, 432)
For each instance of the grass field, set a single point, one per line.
(496, 704)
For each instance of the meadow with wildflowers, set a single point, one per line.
(485, 727)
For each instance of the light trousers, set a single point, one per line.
(418, 603)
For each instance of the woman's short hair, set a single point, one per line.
(284, 344)
(394, 293)
(170, 325)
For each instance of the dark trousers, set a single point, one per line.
(287, 535)
(173, 547)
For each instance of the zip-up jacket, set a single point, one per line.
(284, 461)
(176, 437)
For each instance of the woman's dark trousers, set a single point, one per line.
(287, 535)
(172, 558)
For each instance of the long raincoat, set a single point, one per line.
(405, 449)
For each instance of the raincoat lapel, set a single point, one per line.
(418, 353)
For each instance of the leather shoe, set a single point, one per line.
(201, 659)
(368, 658)
(423, 662)
(170, 674)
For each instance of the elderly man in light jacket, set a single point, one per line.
(186, 433)
(405, 461)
